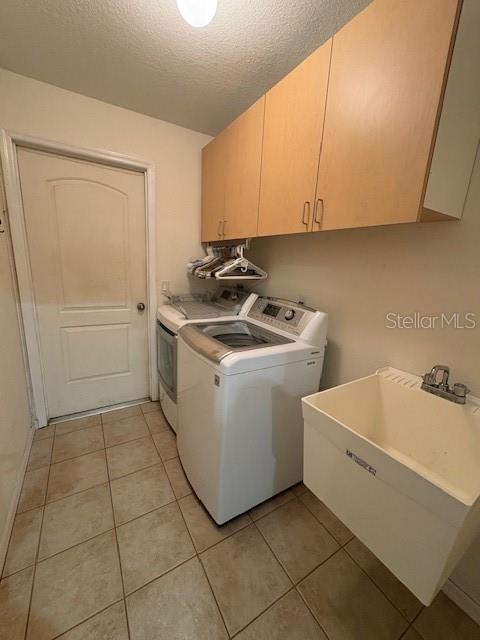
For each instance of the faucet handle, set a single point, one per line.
(444, 370)
(460, 390)
(428, 378)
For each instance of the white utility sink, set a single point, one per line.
(401, 468)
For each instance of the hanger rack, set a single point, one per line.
(226, 263)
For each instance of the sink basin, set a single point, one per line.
(401, 468)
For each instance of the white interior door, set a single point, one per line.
(85, 227)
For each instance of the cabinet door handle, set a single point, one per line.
(316, 219)
(223, 228)
(306, 211)
(219, 228)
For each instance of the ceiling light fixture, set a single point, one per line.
(197, 13)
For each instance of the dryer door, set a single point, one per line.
(167, 359)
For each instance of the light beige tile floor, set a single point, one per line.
(110, 543)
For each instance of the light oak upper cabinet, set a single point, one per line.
(231, 178)
(294, 115)
(386, 78)
(213, 188)
(242, 184)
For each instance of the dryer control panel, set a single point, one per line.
(281, 314)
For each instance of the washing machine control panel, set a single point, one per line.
(281, 314)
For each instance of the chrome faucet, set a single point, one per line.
(439, 386)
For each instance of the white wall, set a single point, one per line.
(39, 109)
(15, 423)
(360, 275)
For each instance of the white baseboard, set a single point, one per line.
(462, 600)
(5, 537)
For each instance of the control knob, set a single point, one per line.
(289, 314)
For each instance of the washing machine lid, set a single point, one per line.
(170, 317)
(217, 340)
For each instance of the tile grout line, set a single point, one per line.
(68, 495)
(2, 576)
(292, 588)
(259, 615)
(80, 455)
(312, 613)
(343, 547)
(308, 574)
(272, 510)
(102, 425)
(319, 565)
(410, 626)
(295, 584)
(378, 586)
(100, 483)
(87, 619)
(97, 535)
(342, 544)
(76, 493)
(197, 555)
(147, 513)
(222, 618)
(120, 567)
(73, 546)
(43, 506)
(130, 473)
(170, 430)
(165, 573)
(324, 527)
(254, 524)
(115, 525)
(196, 552)
(230, 535)
(123, 599)
(38, 544)
(75, 430)
(42, 466)
(119, 444)
(274, 554)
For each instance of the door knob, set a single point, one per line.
(141, 306)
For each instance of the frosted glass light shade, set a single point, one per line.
(197, 13)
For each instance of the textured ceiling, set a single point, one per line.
(141, 55)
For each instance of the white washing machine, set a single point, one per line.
(226, 302)
(240, 384)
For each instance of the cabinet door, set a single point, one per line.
(294, 115)
(242, 182)
(459, 127)
(386, 76)
(213, 187)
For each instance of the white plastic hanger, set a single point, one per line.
(240, 268)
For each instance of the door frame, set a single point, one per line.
(9, 143)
